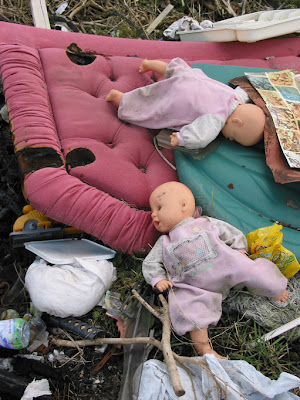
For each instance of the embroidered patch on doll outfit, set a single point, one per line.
(191, 251)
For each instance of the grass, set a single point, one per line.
(240, 340)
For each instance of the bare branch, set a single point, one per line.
(79, 8)
(228, 7)
(164, 345)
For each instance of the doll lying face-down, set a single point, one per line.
(194, 105)
(199, 260)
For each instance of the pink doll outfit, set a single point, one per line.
(187, 101)
(199, 261)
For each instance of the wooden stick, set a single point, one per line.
(158, 20)
(167, 351)
(79, 8)
(228, 7)
(39, 14)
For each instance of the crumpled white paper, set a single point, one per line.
(238, 379)
(36, 388)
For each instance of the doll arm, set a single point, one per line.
(163, 285)
(243, 95)
(152, 266)
(232, 236)
(200, 132)
(176, 65)
(153, 65)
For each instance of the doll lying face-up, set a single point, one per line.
(197, 107)
(199, 260)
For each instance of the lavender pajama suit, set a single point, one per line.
(202, 258)
(187, 101)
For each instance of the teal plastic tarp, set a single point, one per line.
(234, 183)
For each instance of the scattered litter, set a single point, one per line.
(113, 304)
(9, 314)
(61, 9)
(247, 28)
(62, 24)
(137, 324)
(41, 339)
(4, 114)
(36, 388)
(58, 356)
(185, 24)
(101, 349)
(104, 360)
(282, 329)
(6, 363)
(14, 333)
(266, 242)
(67, 251)
(69, 289)
(235, 380)
(73, 325)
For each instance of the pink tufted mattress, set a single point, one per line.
(82, 166)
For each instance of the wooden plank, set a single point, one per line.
(158, 20)
(39, 14)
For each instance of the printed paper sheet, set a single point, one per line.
(281, 93)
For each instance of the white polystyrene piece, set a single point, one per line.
(65, 251)
(248, 28)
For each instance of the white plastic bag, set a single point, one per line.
(36, 388)
(236, 378)
(69, 290)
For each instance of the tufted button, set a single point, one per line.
(110, 144)
(113, 79)
(142, 169)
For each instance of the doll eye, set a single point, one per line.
(159, 208)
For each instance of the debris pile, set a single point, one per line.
(131, 18)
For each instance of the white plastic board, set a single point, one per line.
(248, 28)
(39, 14)
(65, 251)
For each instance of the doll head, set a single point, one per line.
(171, 203)
(245, 125)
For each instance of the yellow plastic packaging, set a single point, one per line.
(266, 242)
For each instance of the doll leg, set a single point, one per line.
(114, 96)
(201, 343)
(153, 65)
(282, 298)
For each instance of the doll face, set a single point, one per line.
(165, 210)
(171, 203)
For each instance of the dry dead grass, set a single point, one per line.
(131, 18)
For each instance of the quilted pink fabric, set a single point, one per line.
(105, 169)
(83, 166)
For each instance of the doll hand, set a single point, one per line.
(143, 67)
(163, 285)
(174, 139)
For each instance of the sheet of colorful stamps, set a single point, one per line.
(281, 92)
